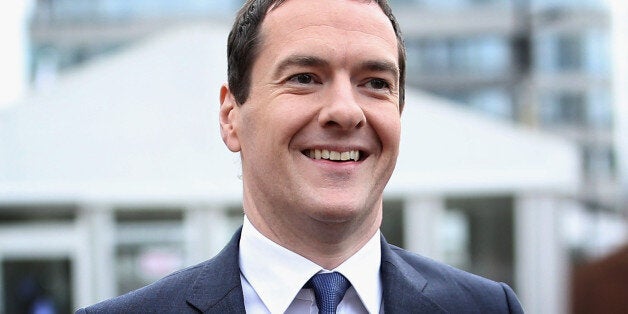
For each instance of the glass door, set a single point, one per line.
(37, 286)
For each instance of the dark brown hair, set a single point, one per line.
(244, 41)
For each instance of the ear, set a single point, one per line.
(229, 119)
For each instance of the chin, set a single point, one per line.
(339, 213)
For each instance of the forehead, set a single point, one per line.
(291, 18)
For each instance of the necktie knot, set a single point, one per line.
(329, 289)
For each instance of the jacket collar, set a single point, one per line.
(217, 288)
(403, 285)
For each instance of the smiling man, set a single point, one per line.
(313, 106)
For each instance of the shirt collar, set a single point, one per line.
(362, 270)
(278, 274)
(275, 273)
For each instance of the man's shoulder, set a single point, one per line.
(453, 289)
(169, 292)
(212, 284)
(434, 270)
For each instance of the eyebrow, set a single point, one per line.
(313, 61)
(381, 66)
(301, 61)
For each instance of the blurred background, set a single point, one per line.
(514, 157)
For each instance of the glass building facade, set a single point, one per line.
(542, 63)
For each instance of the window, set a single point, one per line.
(480, 232)
(599, 109)
(392, 222)
(149, 246)
(586, 51)
(598, 162)
(563, 109)
(485, 54)
(36, 286)
(570, 50)
(82, 10)
(549, 4)
(495, 101)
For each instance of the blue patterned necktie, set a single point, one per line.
(329, 289)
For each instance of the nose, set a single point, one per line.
(341, 109)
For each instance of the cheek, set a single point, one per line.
(292, 113)
(274, 127)
(387, 125)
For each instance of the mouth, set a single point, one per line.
(351, 155)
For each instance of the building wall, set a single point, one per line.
(620, 81)
(545, 64)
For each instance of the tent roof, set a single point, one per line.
(142, 126)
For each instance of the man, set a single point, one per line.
(313, 106)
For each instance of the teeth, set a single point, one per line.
(334, 155)
(355, 155)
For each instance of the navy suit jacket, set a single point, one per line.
(411, 284)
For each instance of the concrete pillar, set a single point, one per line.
(206, 232)
(2, 300)
(619, 14)
(422, 223)
(82, 279)
(98, 226)
(541, 260)
(14, 18)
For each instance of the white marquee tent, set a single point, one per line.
(142, 125)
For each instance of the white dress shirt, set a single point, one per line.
(273, 277)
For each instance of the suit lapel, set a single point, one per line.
(217, 288)
(403, 286)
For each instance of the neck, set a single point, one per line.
(328, 244)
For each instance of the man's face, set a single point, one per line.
(319, 133)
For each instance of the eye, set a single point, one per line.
(378, 84)
(302, 78)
